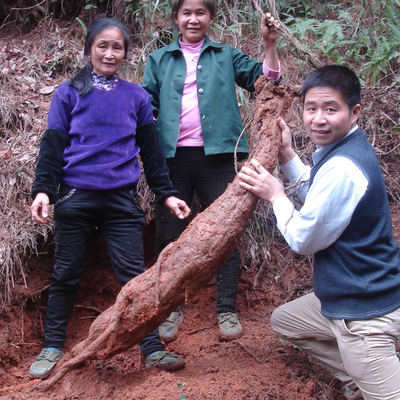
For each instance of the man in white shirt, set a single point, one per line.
(351, 321)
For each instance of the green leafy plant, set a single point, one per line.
(350, 36)
(82, 24)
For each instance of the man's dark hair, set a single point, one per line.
(83, 79)
(337, 77)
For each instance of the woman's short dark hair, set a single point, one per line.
(100, 25)
(176, 5)
(83, 79)
(337, 77)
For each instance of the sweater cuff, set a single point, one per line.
(272, 74)
(154, 163)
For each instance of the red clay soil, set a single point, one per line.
(253, 367)
(257, 366)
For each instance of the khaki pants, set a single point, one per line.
(356, 352)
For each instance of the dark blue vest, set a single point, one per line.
(358, 276)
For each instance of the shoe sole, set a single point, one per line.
(40, 375)
(170, 368)
(226, 338)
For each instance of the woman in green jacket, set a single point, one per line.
(191, 84)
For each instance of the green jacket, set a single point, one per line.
(218, 68)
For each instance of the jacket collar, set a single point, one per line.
(174, 46)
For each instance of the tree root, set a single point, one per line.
(189, 263)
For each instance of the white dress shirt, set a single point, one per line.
(328, 206)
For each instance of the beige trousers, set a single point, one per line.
(356, 352)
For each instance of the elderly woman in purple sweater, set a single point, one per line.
(88, 167)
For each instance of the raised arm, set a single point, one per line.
(269, 33)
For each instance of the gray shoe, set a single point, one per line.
(168, 330)
(229, 326)
(45, 362)
(352, 392)
(166, 361)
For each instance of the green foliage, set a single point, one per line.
(307, 9)
(146, 11)
(82, 25)
(151, 18)
(231, 21)
(367, 39)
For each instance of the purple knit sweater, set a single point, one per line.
(102, 130)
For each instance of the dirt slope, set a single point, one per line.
(258, 366)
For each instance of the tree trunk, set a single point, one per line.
(190, 262)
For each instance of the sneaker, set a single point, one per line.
(352, 393)
(45, 362)
(229, 326)
(168, 330)
(164, 360)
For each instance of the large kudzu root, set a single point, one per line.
(193, 259)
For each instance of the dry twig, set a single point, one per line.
(311, 58)
(252, 354)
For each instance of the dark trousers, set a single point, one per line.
(190, 171)
(78, 213)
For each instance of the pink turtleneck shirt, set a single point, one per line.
(190, 134)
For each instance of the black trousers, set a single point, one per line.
(191, 170)
(78, 213)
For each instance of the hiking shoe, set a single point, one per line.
(168, 330)
(164, 360)
(229, 326)
(45, 362)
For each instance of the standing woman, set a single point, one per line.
(88, 166)
(191, 83)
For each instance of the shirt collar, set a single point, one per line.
(322, 151)
(174, 46)
(191, 47)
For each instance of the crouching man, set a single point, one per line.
(351, 321)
